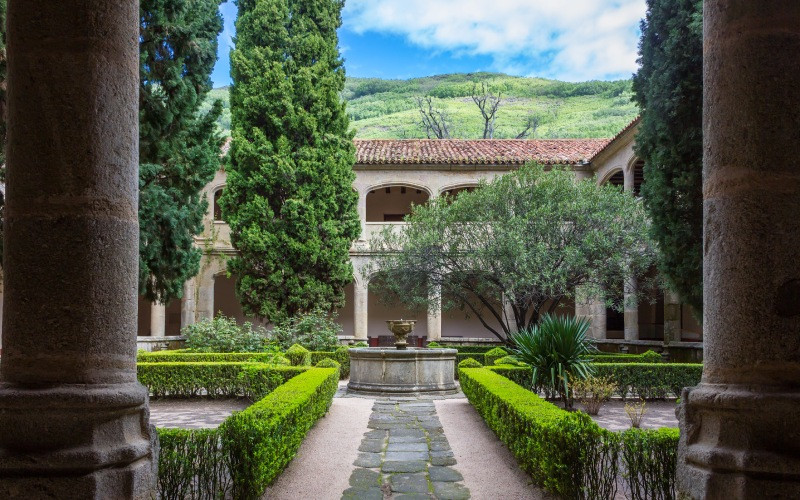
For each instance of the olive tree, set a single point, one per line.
(515, 248)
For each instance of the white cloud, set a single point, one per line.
(571, 40)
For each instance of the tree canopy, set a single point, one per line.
(179, 147)
(669, 90)
(289, 199)
(531, 238)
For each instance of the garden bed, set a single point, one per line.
(566, 452)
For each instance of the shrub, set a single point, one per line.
(260, 441)
(567, 453)
(327, 363)
(470, 349)
(635, 412)
(341, 355)
(316, 331)
(434, 345)
(241, 457)
(592, 392)
(650, 380)
(189, 379)
(470, 363)
(493, 355)
(183, 356)
(223, 334)
(651, 356)
(507, 360)
(650, 459)
(360, 344)
(558, 351)
(298, 355)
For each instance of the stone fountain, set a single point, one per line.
(386, 371)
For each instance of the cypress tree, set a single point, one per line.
(669, 90)
(179, 148)
(289, 198)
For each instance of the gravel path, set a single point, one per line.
(196, 413)
(657, 414)
(322, 467)
(490, 470)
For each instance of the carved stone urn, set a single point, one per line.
(401, 328)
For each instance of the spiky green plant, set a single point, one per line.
(558, 350)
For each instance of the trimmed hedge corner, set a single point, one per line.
(566, 452)
(649, 356)
(248, 451)
(340, 355)
(298, 355)
(469, 363)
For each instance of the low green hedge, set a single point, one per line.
(246, 453)
(651, 381)
(566, 452)
(647, 357)
(470, 349)
(298, 355)
(493, 355)
(185, 379)
(184, 356)
(639, 380)
(261, 440)
(341, 356)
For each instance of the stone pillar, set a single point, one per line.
(739, 433)
(188, 307)
(360, 312)
(435, 316)
(627, 182)
(205, 298)
(362, 214)
(74, 420)
(631, 311)
(158, 319)
(672, 317)
(599, 326)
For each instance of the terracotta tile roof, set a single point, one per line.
(622, 132)
(476, 152)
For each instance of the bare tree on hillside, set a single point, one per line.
(434, 121)
(531, 124)
(488, 103)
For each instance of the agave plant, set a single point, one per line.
(558, 351)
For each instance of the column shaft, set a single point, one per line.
(672, 317)
(188, 307)
(631, 310)
(69, 389)
(360, 312)
(435, 316)
(739, 436)
(158, 319)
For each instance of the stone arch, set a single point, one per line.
(392, 201)
(635, 171)
(614, 176)
(458, 187)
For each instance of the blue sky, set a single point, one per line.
(574, 41)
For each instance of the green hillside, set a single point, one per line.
(387, 108)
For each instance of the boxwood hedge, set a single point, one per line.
(183, 356)
(186, 379)
(566, 452)
(248, 451)
(340, 355)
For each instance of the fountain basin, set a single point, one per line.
(389, 371)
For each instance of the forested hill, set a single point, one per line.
(389, 109)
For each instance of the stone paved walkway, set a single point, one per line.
(657, 414)
(405, 455)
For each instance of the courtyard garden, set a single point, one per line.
(230, 424)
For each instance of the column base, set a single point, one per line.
(739, 442)
(77, 441)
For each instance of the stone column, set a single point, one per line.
(631, 311)
(599, 327)
(158, 319)
(188, 307)
(362, 214)
(672, 317)
(360, 312)
(205, 298)
(74, 421)
(435, 316)
(739, 433)
(627, 180)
